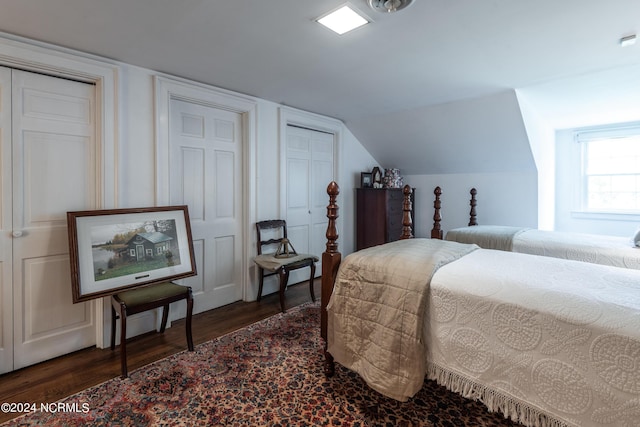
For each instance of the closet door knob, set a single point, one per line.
(17, 233)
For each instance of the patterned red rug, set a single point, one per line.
(268, 374)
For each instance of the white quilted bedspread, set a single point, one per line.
(486, 236)
(533, 335)
(607, 250)
(594, 248)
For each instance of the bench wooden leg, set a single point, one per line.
(188, 320)
(123, 342)
(165, 317)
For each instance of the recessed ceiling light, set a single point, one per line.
(342, 20)
(628, 40)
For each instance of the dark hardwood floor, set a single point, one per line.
(50, 381)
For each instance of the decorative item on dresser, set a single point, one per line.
(366, 180)
(392, 178)
(379, 215)
(376, 177)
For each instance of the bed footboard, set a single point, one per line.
(330, 262)
(331, 259)
(436, 231)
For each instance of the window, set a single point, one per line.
(611, 169)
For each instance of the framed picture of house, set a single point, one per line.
(116, 249)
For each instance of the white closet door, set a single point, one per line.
(6, 293)
(54, 170)
(205, 147)
(309, 157)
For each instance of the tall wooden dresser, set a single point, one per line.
(379, 215)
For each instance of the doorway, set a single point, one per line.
(49, 152)
(205, 167)
(309, 168)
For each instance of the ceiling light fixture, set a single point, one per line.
(628, 40)
(342, 20)
(388, 6)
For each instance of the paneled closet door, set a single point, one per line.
(309, 156)
(206, 175)
(55, 170)
(6, 294)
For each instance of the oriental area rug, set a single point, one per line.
(267, 374)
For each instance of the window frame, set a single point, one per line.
(583, 136)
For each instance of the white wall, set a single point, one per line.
(477, 135)
(355, 159)
(136, 136)
(502, 199)
(542, 141)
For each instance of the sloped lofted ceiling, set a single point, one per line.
(414, 79)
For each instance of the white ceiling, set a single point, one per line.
(434, 52)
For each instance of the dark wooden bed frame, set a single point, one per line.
(331, 259)
(436, 231)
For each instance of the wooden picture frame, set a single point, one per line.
(116, 249)
(366, 180)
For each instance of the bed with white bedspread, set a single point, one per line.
(545, 341)
(599, 249)
(595, 248)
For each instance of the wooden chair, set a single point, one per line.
(277, 265)
(142, 299)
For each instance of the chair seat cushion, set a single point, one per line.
(271, 263)
(147, 294)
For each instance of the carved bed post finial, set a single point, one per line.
(407, 232)
(332, 213)
(330, 262)
(472, 202)
(436, 231)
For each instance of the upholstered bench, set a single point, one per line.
(142, 299)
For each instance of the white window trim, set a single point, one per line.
(592, 134)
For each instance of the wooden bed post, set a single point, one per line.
(407, 233)
(472, 213)
(436, 231)
(330, 262)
